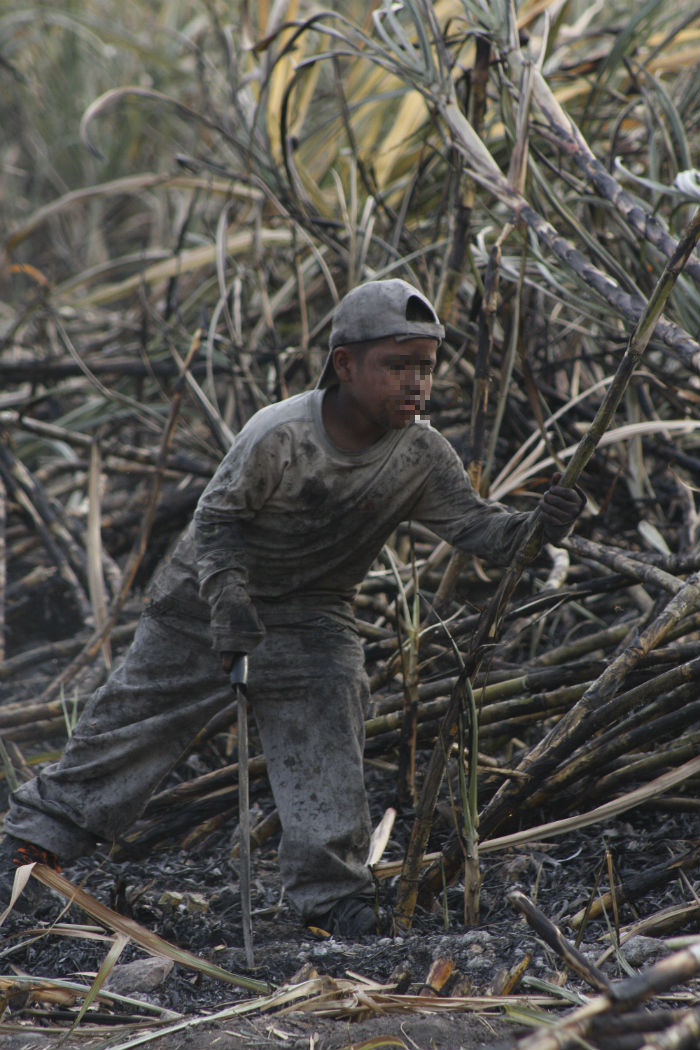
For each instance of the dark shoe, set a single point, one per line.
(13, 854)
(350, 918)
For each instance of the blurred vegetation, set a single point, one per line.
(240, 166)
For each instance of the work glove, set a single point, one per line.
(560, 507)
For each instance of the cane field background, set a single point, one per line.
(186, 190)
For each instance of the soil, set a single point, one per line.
(190, 898)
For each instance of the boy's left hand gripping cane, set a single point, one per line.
(239, 684)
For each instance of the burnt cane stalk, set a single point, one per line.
(480, 396)
(492, 618)
(93, 645)
(487, 314)
(595, 775)
(576, 725)
(470, 809)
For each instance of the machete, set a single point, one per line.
(239, 684)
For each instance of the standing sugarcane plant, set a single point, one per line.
(469, 802)
(409, 653)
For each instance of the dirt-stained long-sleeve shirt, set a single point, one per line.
(291, 520)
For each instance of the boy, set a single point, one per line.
(281, 538)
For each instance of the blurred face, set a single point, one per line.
(389, 383)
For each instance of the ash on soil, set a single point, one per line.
(191, 898)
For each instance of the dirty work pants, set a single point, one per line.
(308, 691)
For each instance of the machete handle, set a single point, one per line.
(239, 670)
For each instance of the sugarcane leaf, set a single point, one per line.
(129, 928)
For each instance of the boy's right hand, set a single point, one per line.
(560, 507)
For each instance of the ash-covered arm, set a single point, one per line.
(243, 483)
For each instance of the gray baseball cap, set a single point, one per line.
(378, 310)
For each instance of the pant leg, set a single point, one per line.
(130, 735)
(309, 692)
